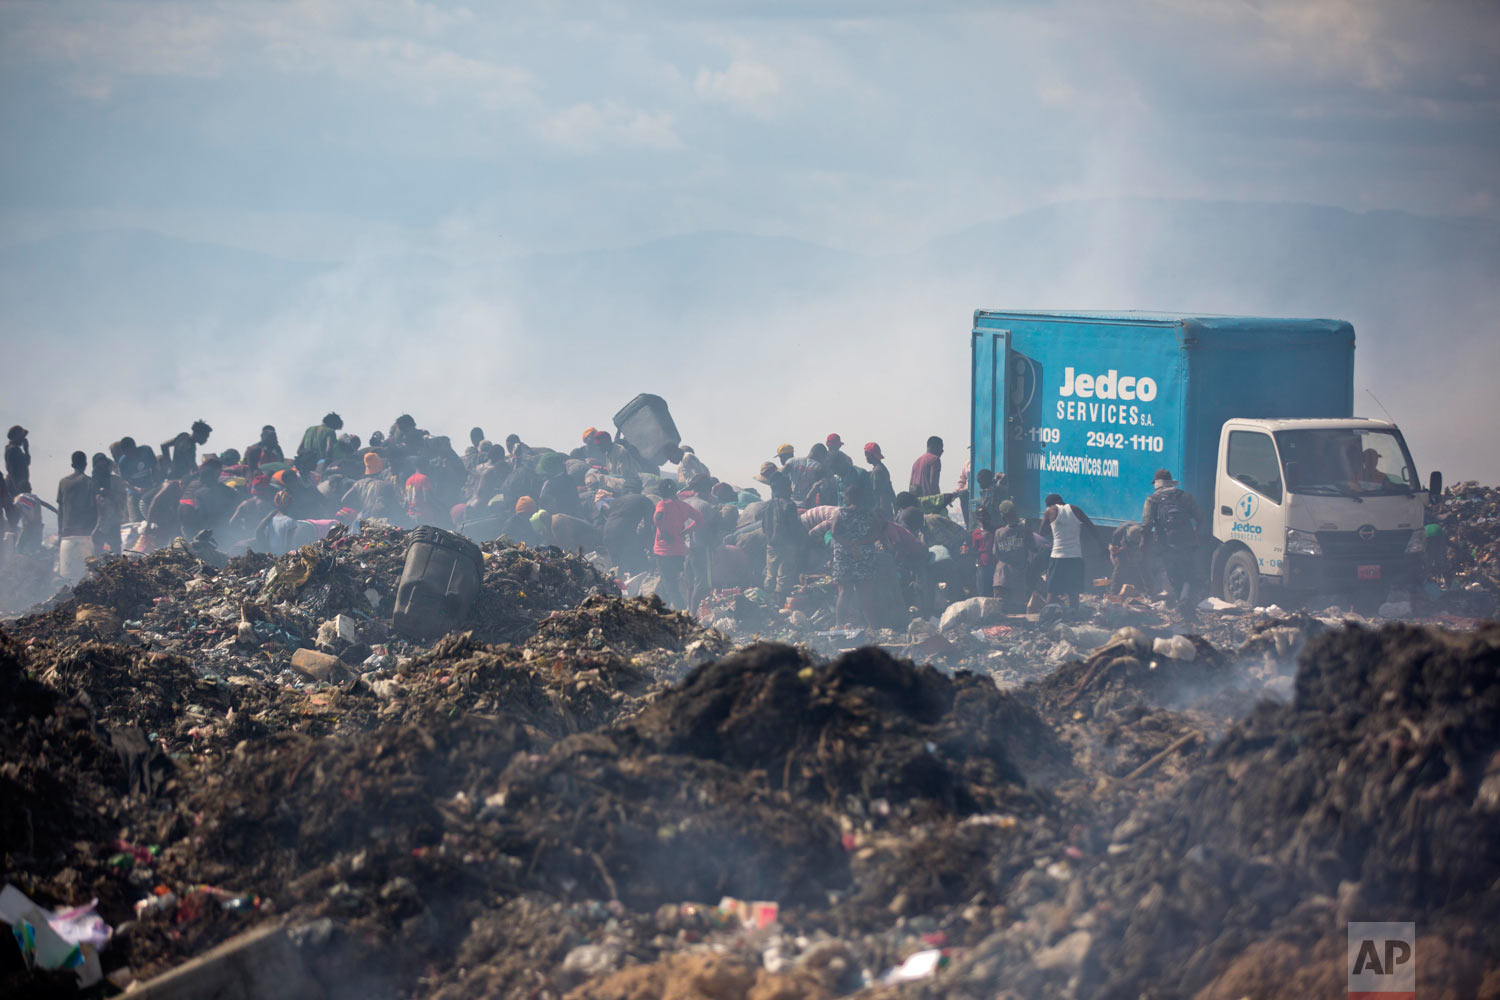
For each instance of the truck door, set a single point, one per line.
(988, 425)
(1249, 500)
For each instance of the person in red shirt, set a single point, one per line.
(673, 520)
(927, 469)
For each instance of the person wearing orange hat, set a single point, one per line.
(880, 481)
(373, 494)
(518, 528)
(784, 453)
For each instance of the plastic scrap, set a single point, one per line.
(65, 939)
(1178, 647)
(920, 965)
(756, 915)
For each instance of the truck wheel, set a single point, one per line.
(1242, 579)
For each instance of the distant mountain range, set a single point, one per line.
(826, 336)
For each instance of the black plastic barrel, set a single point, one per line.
(439, 583)
(647, 424)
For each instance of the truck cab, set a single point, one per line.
(1315, 505)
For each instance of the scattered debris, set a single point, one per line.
(583, 794)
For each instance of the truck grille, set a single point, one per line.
(1348, 544)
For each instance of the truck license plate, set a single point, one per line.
(1369, 573)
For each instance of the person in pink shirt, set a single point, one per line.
(673, 520)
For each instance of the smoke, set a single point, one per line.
(753, 341)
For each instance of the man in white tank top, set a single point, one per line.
(1065, 573)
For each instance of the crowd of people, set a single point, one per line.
(816, 515)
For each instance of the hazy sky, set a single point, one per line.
(466, 136)
(303, 127)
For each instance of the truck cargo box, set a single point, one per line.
(1089, 405)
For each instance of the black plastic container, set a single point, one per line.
(438, 584)
(647, 424)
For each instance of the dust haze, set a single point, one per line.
(753, 340)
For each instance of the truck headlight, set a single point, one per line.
(1302, 543)
(1417, 545)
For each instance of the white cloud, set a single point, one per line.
(426, 72)
(593, 127)
(746, 85)
(395, 44)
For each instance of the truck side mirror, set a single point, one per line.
(1435, 486)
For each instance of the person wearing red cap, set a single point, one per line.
(885, 493)
(420, 505)
(835, 444)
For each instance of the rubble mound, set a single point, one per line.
(60, 780)
(114, 590)
(639, 629)
(273, 817)
(1391, 745)
(127, 686)
(551, 690)
(1375, 791)
(193, 604)
(596, 821)
(1469, 515)
(865, 726)
(522, 585)
(1130, 671)
(701, 977)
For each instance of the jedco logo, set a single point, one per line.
(1108, 385)
(1247, 505)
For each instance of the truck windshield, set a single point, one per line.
(1346, 462)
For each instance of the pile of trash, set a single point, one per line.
(864, 727)
(1469, 520)
(251, 613)
(1373, 795)
(579, 792)
(640, 630)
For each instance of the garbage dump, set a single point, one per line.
(805, 755)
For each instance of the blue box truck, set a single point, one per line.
(1254, 416)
